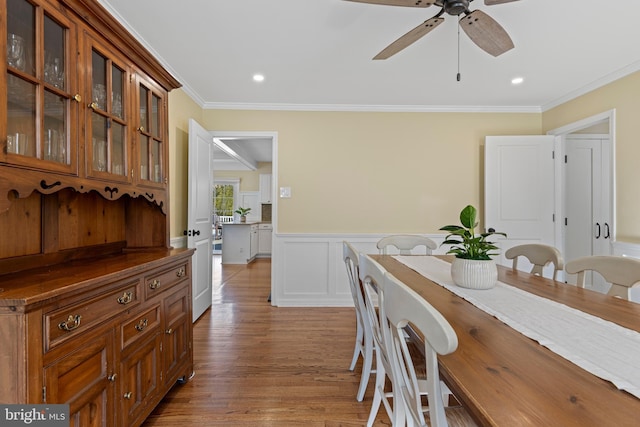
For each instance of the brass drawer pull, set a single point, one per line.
(112, 377)
(180, 272)
(126, 298)
(73, 322)
(168, 331)
(127, 395)
(142, 324)
(155, 284)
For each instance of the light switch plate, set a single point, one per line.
(285, 192)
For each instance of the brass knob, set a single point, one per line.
(155, 284)
(93, 105)
(180, 272)
(127, 395)
(73, 322)
(141, 128)
(112, 377)
(77, 97)
(168, 331)
(142, 324)
(126, 298)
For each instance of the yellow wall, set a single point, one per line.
(375, 172)
(181, 109)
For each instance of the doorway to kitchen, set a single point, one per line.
(243, 155)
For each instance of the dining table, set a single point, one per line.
(504, 378)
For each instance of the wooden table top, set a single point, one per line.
(506, 379)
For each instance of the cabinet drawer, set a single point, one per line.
(158, 281)
(140, 326)
(69, 321)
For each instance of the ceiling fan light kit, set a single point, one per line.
(483, 30)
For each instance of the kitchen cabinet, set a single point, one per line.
(240, 243)
(265, 232)
(266, 188)
(95, 304)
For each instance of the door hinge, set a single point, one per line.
(553, 217)
(566, 221)
(553, 155)
(565, 158)
(44, 395)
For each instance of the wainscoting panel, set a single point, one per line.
(308, 269)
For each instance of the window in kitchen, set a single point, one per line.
(225, 193)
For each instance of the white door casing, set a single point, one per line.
(519, 190)
(200, 215)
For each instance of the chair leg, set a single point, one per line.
(378, 394)
(358, 346)
(366, 368)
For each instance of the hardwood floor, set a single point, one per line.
(258, 365)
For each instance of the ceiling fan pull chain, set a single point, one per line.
(458, 75)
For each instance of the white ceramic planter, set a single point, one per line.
(473, 274)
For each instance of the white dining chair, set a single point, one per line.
(621, 272)
(402, 306)
(537, 254)
(372, 278)
(405, 244)
(364, 345)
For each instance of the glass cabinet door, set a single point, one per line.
(40, 89)
(151, 131)
(107, 149)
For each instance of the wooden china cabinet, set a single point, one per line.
(95, 306)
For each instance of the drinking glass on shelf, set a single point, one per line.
(11, 144)
(22, 143)
(15, 51)
(51, 145)
(116, 104)
(100, 95)
(99, 154)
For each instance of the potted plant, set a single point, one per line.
(473, 266)
(243, 213)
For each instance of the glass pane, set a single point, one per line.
(99, 80)
(144, 157)
(117, 149)
(21, 36)
(54, 53)
(155, 116)
(143, 107)
(117, 86)
(21, 116)
(99, 141)
(55, 123)
(156, 170)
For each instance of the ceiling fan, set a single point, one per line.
(483, 30)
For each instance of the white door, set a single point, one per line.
(519, 190)
(587, 200)
(200, 215)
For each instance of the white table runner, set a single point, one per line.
(602, 348)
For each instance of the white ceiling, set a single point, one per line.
(245, 154)
(316, 54)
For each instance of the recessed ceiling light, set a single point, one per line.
(258, 78)
(517, 80)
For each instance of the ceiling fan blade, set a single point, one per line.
(484, 31)
(409, 38)
(406, 3)
(492, 2)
